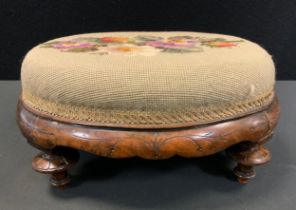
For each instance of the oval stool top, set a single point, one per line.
(147, 79)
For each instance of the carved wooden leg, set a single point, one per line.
(56, 163)
(248, 155)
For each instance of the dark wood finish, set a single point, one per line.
(243, 136)
(56, 163)
(247, 155)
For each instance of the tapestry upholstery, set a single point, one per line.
(147, 79)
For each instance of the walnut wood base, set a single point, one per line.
(243, 138)
(248, 155)
(56, 163)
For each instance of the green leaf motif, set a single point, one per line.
(90, 49)
(148, 38)
(88, 39)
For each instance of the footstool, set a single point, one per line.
(148, 94)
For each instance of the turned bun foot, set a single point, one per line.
(56, 163)
(248, 155)
(244, 173)
(244, 136)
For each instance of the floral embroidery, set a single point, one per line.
(139, 45)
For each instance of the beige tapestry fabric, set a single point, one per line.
(147, 79)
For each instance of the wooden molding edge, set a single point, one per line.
(194, 141)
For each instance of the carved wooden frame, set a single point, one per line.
(243, 138)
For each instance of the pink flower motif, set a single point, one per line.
(68, 45)
(174, 43)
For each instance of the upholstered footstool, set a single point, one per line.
(148, 94)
